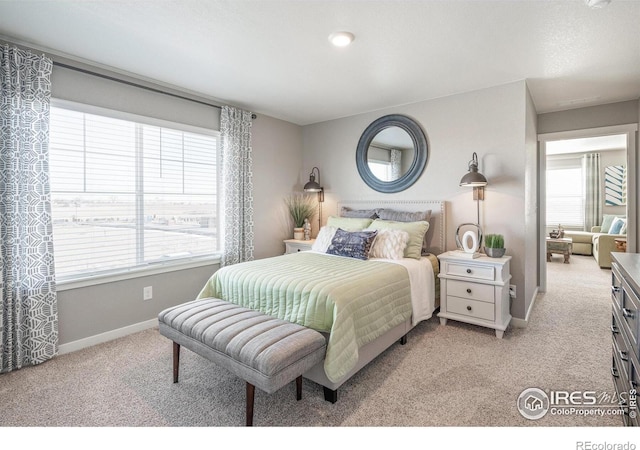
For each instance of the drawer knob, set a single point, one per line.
(468, 308)
(468, 291)
(614, 372)
(629, 314)
(615, 289)
(614, 329)
(468, 270)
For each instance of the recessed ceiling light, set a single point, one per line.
(341, 38)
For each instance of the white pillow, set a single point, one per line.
(389, 244)
(324, 238)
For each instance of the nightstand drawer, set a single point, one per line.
(471, 308)
(471, 271)
(473, 291)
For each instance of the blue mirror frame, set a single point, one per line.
(418, 164)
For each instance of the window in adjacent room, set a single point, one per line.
(565, 194)
(380, 169)
(129, 194)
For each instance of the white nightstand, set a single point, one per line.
(296, 245)
(475, 291)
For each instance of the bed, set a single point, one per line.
(362, 306)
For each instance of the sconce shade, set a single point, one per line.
(312, 185)
(473, 178)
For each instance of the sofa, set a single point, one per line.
(600, 241)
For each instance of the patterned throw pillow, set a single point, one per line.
(353, 244)
(389, 244)
(323, 240)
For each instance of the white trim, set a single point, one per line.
(588, 132)
(633, 234)
(106, 337)
(522, 323)
(137, 272)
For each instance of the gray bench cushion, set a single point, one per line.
(264, 351)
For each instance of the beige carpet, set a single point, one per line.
(453, 375)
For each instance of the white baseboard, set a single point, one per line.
(522, 323)
(105, 337)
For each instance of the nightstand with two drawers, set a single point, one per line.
(475, 290)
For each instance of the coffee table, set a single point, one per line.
(560, 245)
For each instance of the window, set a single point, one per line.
(380, 169)
(127, 194)
(565, 196)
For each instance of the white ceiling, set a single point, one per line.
(273, 56)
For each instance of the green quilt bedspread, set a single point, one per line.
(356, 301)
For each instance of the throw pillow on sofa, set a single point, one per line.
(607, 220)
(617, 226)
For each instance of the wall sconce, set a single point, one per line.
(314, 186)
(475, 180)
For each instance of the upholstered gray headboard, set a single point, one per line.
(437, 225)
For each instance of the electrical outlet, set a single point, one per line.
(512, 290)
(147, 293)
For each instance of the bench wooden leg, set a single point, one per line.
(403, 340)
(176, 361)
(299, 388)
(330, 395)
(251, 390)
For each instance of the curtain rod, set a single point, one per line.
(137, 85)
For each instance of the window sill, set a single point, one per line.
(135, 273)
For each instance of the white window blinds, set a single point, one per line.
(127, 194)
(565, 196)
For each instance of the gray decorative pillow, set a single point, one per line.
(353, 244)
(406, 216)
(359, 213)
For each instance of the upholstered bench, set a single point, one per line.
(262, 350)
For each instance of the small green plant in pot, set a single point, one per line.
(494, 245)
(300, 207)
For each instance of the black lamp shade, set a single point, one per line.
(312, 185)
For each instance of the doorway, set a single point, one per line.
(561, 151)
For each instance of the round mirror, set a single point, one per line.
(392, 153)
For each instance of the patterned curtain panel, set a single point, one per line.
(237, 184)
(28, 307)
(592, 195)
(396, 164)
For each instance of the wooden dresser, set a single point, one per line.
(625, 328)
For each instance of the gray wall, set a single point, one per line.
(498, 123)
(89, 311)
(620, 113)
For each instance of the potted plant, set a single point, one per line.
(300, 207)
(494, 245)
